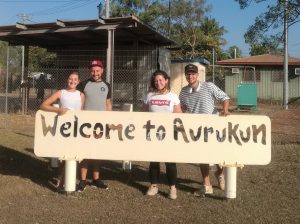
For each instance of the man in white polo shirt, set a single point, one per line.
(199, 98)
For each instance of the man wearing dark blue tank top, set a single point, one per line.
(97, 98)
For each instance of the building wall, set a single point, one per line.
(231, 83)
(266, 88)
(294, 87)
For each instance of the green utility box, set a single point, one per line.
(247, 96)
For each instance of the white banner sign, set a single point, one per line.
(162, 137)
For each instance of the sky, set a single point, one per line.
(237, 21)
(226, 12)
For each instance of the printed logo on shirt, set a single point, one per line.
(160, 102)
(102, 89)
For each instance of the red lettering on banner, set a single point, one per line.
(160, 102)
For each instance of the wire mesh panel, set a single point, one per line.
(129, 80)
(22, 89)
(10, 78)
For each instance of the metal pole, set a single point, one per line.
(235, 53)
(27, 87)
(23, 63)
(107, 9)
(213, 67)
(22, 79)
(6, 81)
(169, 20)
(110, 60)
(108, 56)
(286, 80)
(112, 63)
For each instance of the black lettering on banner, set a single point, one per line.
(107, 136)
(257, 131)
(160, 133)
(100, 133)
(66, 126)
(81, 132)
(206, 131)
(193, 137)
(75, 126)
(51, 129)
(219, 138)
(130, 128)
(148, 127)
(178, 127)
(119, 128)
(247, 138)
(232, 133)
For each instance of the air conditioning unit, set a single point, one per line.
(235, 70)
(297, 71)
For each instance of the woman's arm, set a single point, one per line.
(46, 105)
(108, 105)
(82, 96)
(177, 109)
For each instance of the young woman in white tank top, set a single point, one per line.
(69, 99)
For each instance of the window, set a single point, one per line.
(249, 75)
(277, 76)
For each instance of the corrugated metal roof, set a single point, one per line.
(85, 32)
(199, 60)
(265, 59)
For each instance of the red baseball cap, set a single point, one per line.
(96, 63)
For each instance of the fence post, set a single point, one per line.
(126, 166)
(6, 80)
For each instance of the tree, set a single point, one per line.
(212, 33)
(185, 23)
(234, 52)
(199, 40)
(266, 46)
(273, 18)
(14, 61)
(40, 58)
(149, 11)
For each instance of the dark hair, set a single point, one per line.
(74, 73)
(162, 73)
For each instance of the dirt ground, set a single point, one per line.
(265, 194)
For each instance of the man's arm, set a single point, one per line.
(225, 110)
(108, 105)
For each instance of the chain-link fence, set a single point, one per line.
(129, 80)
(22, 89)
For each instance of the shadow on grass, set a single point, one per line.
(15, 163)
(26, 165)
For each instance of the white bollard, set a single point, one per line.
(126, 165)
(70, 175)
(230, 183)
